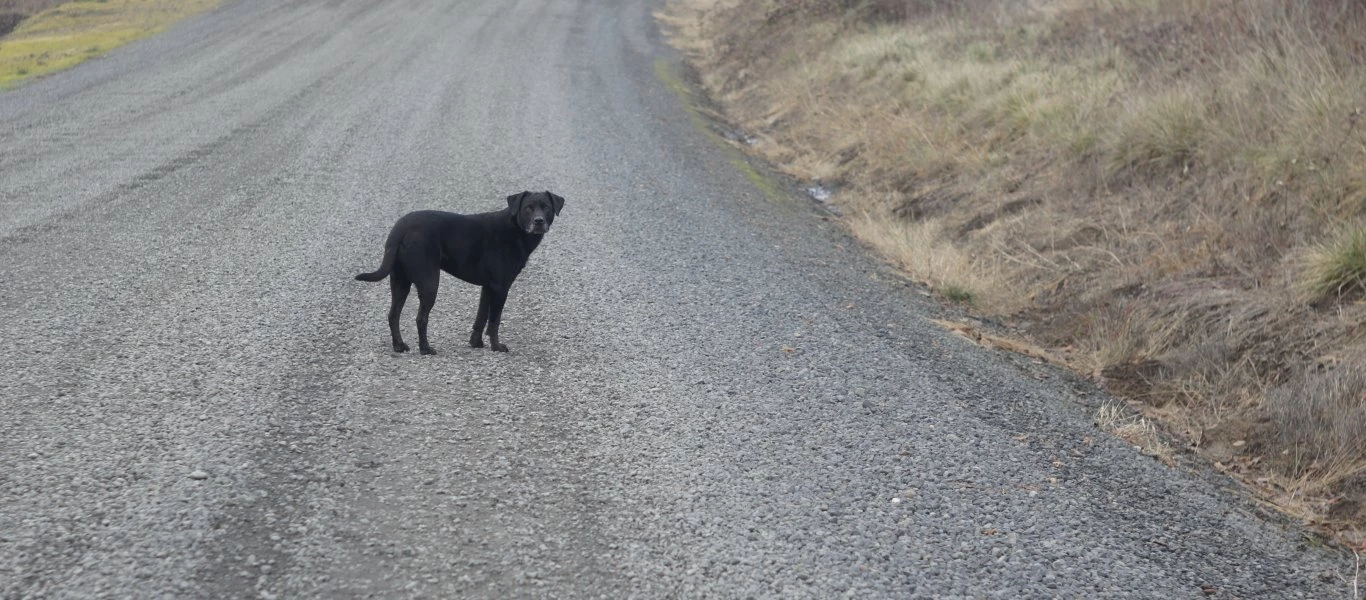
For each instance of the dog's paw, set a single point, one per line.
(499, 347)
(400, 347)
(476, 341)
(427, 350)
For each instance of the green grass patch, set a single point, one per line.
(958, 294)
(688, 96)
(68, 34)
(765, 184)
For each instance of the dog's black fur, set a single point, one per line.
(487, 250)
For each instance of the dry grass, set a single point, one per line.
(978, 335)
(1356, 575)
(1357, 588)
(1157, 187)
(922, 249)
(1337, 267)
(1137, 430)
(1321, 422)
(67, 34)
(13, 12)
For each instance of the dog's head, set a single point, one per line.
(534, 211)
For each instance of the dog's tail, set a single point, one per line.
(390, 252)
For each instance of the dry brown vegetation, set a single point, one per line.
(1168, 194)
(13, 12)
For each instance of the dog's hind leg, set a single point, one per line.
(398, 290)
(426, 298)
(480, 318)
(497, 296)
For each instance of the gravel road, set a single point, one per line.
(712, 391)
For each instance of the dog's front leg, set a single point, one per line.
(497, 295)
(480, 318)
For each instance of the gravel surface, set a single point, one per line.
(711, 392)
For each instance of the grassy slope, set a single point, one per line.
(67, 34)
(1164, 194)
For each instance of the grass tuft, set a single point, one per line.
(1161, 134)
(1321, 419)
(1135, 429)
(920, 249)
(958, 294)
(1337, 268)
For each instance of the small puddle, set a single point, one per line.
(819, 192)
(822, 193)
(739, 137)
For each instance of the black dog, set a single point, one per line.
(487, 250)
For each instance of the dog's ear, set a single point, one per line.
(515, 201)
(556, 202)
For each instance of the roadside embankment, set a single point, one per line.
(38, 37)
(1165, 195)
